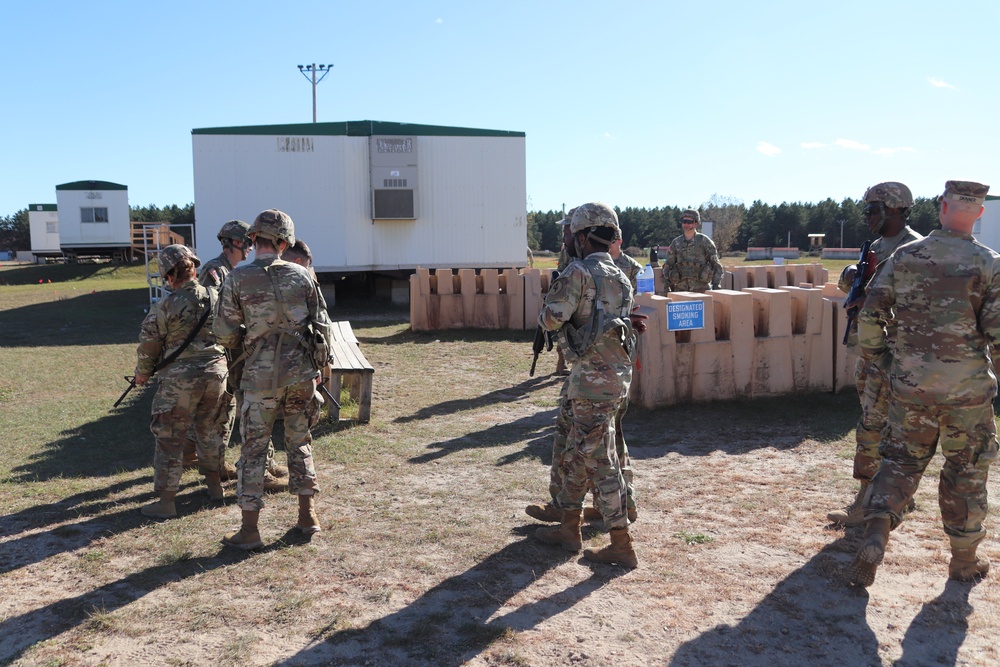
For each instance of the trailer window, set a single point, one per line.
(93, 214)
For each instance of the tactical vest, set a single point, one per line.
(577, 341)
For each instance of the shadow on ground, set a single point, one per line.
(453, 622)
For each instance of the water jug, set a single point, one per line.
(644, 280)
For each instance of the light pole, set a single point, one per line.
(842, 221)
(312, 69)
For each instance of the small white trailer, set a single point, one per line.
(43, 226)
(94, 220)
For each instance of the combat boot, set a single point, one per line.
(227, 472)
(620, 550)
(547, 512)
(277, 470)
(566, 534)
(214, 485)
(247, 537)
(593, 514)
(308, 521)
(163, 508)
(190, 455)
(861, 571)
(853, 514)
(966, 566)
(274, 484)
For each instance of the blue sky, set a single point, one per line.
(633, 103)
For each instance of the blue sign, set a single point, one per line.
(685, 315)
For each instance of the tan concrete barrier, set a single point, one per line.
(773, 334)
(471, 298)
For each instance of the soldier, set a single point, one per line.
(283, 312)
(692, 261)
(235, 249)
(631, 269)
(886, 208)
(176, 334)
(600, 342)
(561, 264)
(941, 297)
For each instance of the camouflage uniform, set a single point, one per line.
(598, 381)
(629, 267)
(279, 372)
(941, 297)
(214, 271)
(563, 260)
(692, 266)
(875, 395)
(191, 396)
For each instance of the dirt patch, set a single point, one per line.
(426, 557)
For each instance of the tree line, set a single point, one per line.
(15, 234)
(738, 227)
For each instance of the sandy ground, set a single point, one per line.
(427, 559)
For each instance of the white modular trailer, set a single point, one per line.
(94, 219)
(987, 228)
(370, 195)
(43, 225)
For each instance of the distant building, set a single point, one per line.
(43, 225)
(371, 196)
(94, 220)
(987, 228)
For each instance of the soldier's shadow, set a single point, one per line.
(812, 617)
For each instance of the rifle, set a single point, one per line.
(170, 358)
(131, 385)
(326, 392)
(543, 340)
(865, 269)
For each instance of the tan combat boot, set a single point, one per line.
(247, 537)
(861, 571)
(190, 455)
(227, 472)
(277, 470)
(308, 521)
(547, 512)
(566, 534)
(966, 566)
(214, 484)
(853, 514)
(593, 514)
(163, 508)
(619, 551)
(274, 484)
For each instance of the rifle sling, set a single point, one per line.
(190, 337)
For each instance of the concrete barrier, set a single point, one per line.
(775, 333)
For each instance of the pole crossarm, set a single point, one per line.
(309, 72)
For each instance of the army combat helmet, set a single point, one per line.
(171, 256)
(594, 214)
(234, 230)
(275, 225)
(879, 198)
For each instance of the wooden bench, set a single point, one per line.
(349, 366)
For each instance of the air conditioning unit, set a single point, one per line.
(393, 177)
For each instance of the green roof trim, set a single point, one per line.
(42, 207)
(358, 128)
(91, 185)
